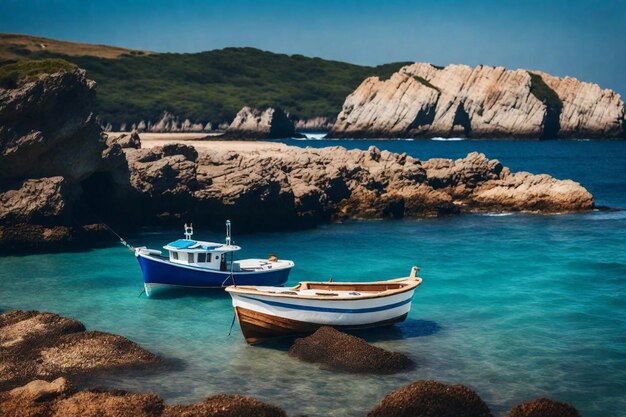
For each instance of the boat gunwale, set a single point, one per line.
(412, 284)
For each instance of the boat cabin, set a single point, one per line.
(198, 253)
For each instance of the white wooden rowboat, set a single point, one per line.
(266, 313)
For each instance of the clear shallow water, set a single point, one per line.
(514, 306)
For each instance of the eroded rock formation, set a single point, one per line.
(45, 345)
(335, 350)
(266, 123)
(421, 100)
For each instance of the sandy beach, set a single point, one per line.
(203, 142)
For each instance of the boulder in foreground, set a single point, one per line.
(46, 345)
(335, 350)
(543, 407)
(431, 399)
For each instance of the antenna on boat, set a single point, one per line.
(228, 232)
(188, 231)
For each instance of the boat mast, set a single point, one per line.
(188, 231)
(228, 232)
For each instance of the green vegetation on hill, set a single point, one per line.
(213, 86)
(28, 70)
(426, 82)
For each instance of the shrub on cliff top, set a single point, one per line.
(425, 82)
(28, 70)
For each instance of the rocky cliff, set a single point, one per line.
(421, 100)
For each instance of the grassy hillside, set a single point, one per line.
(15, 46)
(214, 85)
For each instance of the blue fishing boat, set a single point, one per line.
(200, 264)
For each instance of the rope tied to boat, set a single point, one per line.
(122, 241)
(110, 229)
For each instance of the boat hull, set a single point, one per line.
(161, 272)
(263, 318)
(259, 327)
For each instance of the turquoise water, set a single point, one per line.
(514, 306)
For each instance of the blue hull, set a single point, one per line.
(158, 272)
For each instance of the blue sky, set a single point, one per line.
(581, 38)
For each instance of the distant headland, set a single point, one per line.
(203, 92)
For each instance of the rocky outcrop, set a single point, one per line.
(46, 214)
(431, 399)
(47, 128)
(338, 351)
(45, 345)
(479, 184)
(49, 144)
(266, 123)
(543, 407)
(58, 398)
(421, 100)
(289, 187)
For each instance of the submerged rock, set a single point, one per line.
(543, 407)
(34, 344)
(269, 123)
(335, 350)
(431, 399)
(421, 100)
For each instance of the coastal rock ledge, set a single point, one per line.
(289, 187)
(425, 101)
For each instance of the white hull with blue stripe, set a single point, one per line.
(265, 313)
